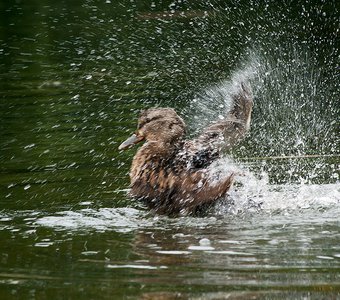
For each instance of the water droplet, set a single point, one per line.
(205, 242)
(29, 146)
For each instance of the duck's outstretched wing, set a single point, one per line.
(229, 131)
(223, 134)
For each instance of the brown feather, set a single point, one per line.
(168, 173)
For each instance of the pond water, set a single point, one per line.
(74, 76)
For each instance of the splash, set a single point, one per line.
(295, 116)
(251, 197)
(296, 111)
(288, 163)
(290, 160)
(214, 102)
(254, 194)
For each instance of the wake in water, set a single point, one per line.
(251, 197)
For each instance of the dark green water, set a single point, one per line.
(73, 77)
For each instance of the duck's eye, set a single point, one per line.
(139, 126)
(152, 119)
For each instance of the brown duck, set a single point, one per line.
(168, 173)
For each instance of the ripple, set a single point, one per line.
(119, 219)
(146, 267)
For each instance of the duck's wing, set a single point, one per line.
(229, 131)
(195, 155)
(223, 134)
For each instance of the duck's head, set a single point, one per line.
(160, 125)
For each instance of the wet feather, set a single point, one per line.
(170, 174)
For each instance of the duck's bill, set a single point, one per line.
(132, 140)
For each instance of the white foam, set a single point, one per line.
(173, 252)
(119, 219)
(257, 195)
(253, 196)
(146, 267)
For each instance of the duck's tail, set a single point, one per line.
(227, 132)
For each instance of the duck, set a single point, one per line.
(169, 173)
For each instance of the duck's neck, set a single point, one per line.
(157, 149)
(151, 155)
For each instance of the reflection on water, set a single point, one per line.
(261, 254)
(73, 77)
(276, 251)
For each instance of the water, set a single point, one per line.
(73, 77)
